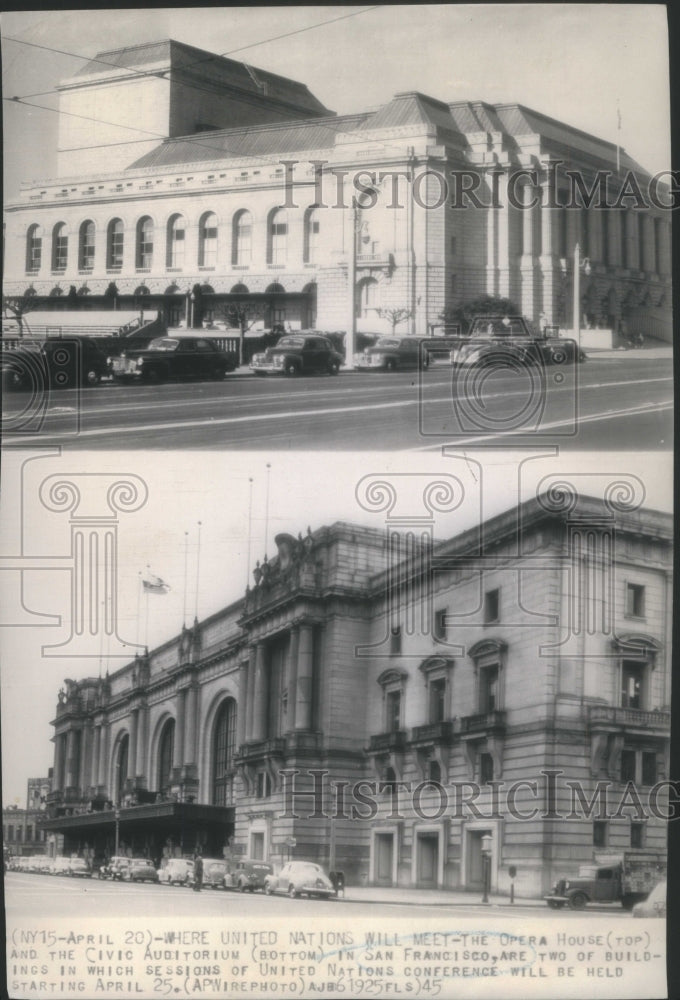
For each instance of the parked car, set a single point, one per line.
(61, 866)
(115, 868)
(79, 867)
(391, 353)
(300, 877)
(247, 874)
(655, 904)
(38, 366)
(168, 358)
(140, 870)
(176, 871)
(298, 354)
(214, 870)
(508, 341)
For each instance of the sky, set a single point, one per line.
(297, 490)
(580, 63)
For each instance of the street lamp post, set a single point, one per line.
(117, 818)
(486, 865)
(578, 264)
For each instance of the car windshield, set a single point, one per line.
(387, 342)
(498, 326)
(163, 344)
(307, 866)
(291, 342)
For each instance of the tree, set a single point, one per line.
(483, 305)
(395, 316)
(243, 314)
(16, 307)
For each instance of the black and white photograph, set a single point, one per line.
(337, 524)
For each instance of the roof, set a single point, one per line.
(161, 57)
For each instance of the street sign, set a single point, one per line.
(290, 842)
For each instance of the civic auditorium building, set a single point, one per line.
(380, 702)
(184, 173)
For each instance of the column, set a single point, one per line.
(305, 669)
(104, 758)
(190, 726)
(70, 777)
(241, 710)
(85, 758)
(260, 694)
(551, 281)
(96, 754)
(292, 676)
(503, 238)
(527, 262)
(250, 695)
(178, 747)
(58, 776)
(491, 283)
(132, 744)
(141, 739)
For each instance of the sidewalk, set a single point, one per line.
(639, 353)
(428, 897)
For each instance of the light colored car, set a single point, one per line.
(140, 870)
(214, 870)
(79, 867)
(655, 904)
(115, 868)
(61, 866)
(176, 871)
(299, 878)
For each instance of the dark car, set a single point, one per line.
(61, 363)
(167, 358)
(298, 354)
(508, 341)
(140, 870)
(247, 874)
(390, 353)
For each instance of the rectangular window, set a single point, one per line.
(10, 833)
(440, 624)
(485, 768)
(395, 640)
(628, 759)
(393, 707)
(635, 600)
(632, 677)
(263, 785)
(491, 606)
(488, 689)
(29, 832)
(438, 700)
(648, 767)
(637, 835)
(60, 253)
(599, 833)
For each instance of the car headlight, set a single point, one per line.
(140, 362)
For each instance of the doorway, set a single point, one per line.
(384, 858)
(427, 864)
(475, 860)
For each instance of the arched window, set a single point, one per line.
(207, 240)
(33, 249)
(144, 254)
(166, 748)
(224, 742)
(115, 238)
(311, 235)
(242, 248)
(86, 246)
(121, 767)
(278, 237)
(174, 256)
(59, 247)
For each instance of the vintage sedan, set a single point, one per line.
(173, 358)
(298, 354)
(79, 868)
(176, 871)
(299, 878)
(508, 342)
(248, 875)
(392, 353)
(214, 870)
(140, 870)
(115, 869)
(38, 366)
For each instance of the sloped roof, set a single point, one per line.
(412, 108)
(163, 56)
(264, 140)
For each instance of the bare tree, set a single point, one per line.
(242, 314)
(16, 307)
(395, 316)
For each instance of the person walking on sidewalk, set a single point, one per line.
(198, 872)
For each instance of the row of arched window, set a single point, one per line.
(176, 226)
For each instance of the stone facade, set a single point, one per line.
(379, 705)
(454, 200)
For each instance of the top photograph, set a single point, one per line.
(382, 228)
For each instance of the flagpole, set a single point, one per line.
(266, 516)
(250, 525)
(146, 627)
(186, 574)
(618, 138)
(198, 567)
(139, 598)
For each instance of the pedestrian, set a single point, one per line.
(198, 872)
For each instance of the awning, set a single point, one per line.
(174, 815)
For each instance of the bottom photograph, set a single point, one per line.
(432, 700)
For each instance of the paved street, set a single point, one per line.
(59, 897)
(608, 402)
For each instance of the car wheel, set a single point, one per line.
(334, 368)
(91, 378)
(154, 375)
(578, 901)
(291, 369)
(268, 889)
(292, 892)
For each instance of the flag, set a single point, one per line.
(154, 585)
